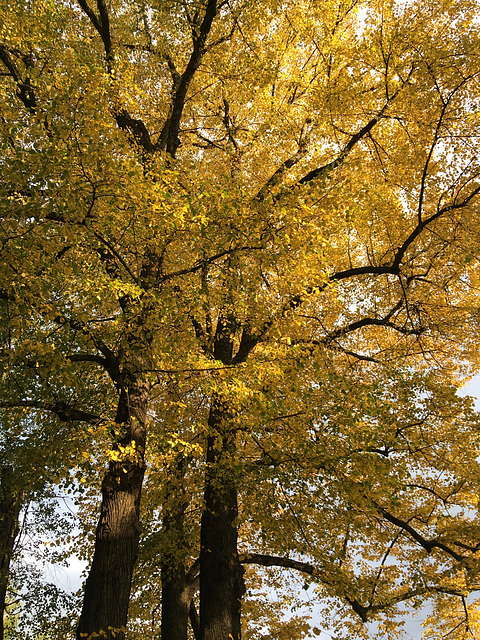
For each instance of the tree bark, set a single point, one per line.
(10, 503)
(107, 589)
(175, 604)
(176, 592)
(221, 574)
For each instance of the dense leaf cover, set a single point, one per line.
(239, 269)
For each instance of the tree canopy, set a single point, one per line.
(239, 270)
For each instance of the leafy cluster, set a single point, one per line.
(239, 273)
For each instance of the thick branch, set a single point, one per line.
(248, 342)
(136, 128)
(133, 126)
(25, 90)
(202, 336)
(327, 168)
(436, 137)
(200, 264)
(393, 268)
(304, 567)
(101, 24)
(286, 164)
(400, 254)
(428, 545)
(86, 357)
(169, 140)
(364, 612)
(64, 411)
(280, 561)
(320, 172)
(369, 322)
(296, 301)
(110, 360)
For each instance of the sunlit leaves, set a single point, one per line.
(308, 259)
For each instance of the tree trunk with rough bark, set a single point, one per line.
(221, 574)
(175, 603)
(10, 503)
(176, 592)
(107, 589)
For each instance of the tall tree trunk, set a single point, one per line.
(10, 502)
(176, 592)
(107, 589)
(221, 574)
(175, 603)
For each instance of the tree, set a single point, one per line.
(9, 505)
(258, 193)
(36, 606)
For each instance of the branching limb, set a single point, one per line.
(87, 357)
(391, 268)
(110, 361)
(421, 226)
(303, 567)
(63, 411)
(323, 171)
(134, 127)
(287, 164)
(365, 613)
(200, 264)
(436, 136)
(428, 545)
(169, 140)
(102, 25)
(25, 91)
